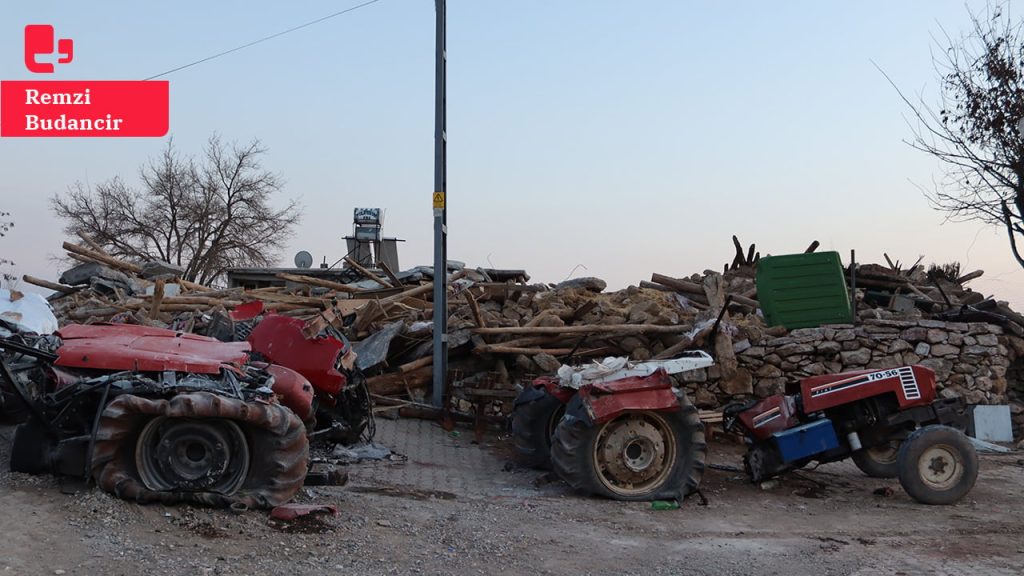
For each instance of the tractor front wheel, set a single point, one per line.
(879, 461)
(937, 465)
(638, 455)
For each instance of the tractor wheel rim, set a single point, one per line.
(940, 467)
(635, 452)
(207, 455)
(886, 453)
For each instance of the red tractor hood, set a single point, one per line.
(143, 349)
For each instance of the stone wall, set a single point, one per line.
(973, 360)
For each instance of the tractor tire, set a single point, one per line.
(638, 455)
(535, 415)
(879, 461)
(200, 448)
(937, 465)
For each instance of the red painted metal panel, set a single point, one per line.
(145, 349)
(551, 384)
(279, 340)
(293, 389)
(607, 406)
(773, 414)
(246, 311)
(912, 385)
(658, 379)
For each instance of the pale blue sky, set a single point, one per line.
(629, 137)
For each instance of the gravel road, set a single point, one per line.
(451, 506)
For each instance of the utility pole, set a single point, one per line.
(440, 212)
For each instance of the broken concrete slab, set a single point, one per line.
(81, 274)
(586, 283)
(155, 268)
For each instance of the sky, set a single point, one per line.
(602, 138)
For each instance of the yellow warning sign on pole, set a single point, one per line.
(438, 199)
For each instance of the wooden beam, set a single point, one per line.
(336, 286)
(679, 285)
(689, 289)
(351, 262)
(971, 276)
(427, 360)
(103, 258)
(683, 345)
(51, 285)
(525, 342)
(92, 243)
(158, 297)
(284, 298)
(499, 349)
(614, 329)
(193, 286)
(390, 274)
(398, 382)
(474, 309)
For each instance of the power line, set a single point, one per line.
(265, 38)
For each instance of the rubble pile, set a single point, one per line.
(504, 330)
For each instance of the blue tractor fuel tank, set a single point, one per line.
(806, 440)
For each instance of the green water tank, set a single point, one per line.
(803, 290)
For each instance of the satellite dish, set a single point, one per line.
(303, 259)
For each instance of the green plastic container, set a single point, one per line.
(803, 290)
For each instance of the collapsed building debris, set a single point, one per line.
(504, 330)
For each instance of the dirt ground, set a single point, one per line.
(447, 505)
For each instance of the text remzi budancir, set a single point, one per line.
(62, 122)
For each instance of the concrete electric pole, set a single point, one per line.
(440, 213)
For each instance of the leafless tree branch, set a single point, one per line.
(974, 130)
(205, 215)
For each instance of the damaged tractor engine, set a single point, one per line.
(154, 415)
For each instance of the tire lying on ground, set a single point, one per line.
(879, 461)
(201, 448)
(638, 455)
(535, 414)
(937, 465)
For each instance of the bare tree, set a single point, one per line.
(7, 278)
(205, 215)
(976, 131)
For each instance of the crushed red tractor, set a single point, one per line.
(625, 432)
(888, 421)
(619, 431)
(154, 415)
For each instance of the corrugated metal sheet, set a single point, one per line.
(803, 290)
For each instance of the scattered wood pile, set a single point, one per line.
(502, 329)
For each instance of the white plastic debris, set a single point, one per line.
(28, 312)
(617, 368)
(982, 446)
(360, 452)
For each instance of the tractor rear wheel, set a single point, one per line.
(638, 455)
(201, 448)
(937, 465)
(879, 461)
(535, 414)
